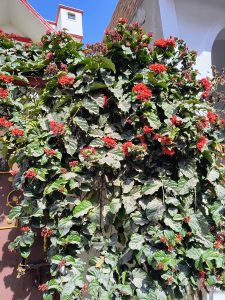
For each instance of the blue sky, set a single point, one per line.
(97, 14)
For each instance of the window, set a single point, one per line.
(71, 16)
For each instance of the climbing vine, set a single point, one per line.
(117, 152)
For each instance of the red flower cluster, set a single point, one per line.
(84, 288)
(66, 80)
(203, 123)
(6, 78)
(202, 142)
(164, 140)
(13, 172)
(63, 170)
(143, 92)
(179, 238)
(207, 87)
(49, 151)
(106, 101)
(158, 68)
(126, 146)
(109, 142)
(212, 117)
(73, 163)
(148, 129)
(43, 287)
(164, 43)
(223, 123)
(187, 219)
(46, 232)
(122, 20)
(30, 174)
(5, 123)
(141, 138)
(176, 120)
(88, 151)
(25, 228)
(4, 93)
(17, 132)
(49, 56)
(57, 128)
(168, 151)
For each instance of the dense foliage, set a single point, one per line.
(119, 160)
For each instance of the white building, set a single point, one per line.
(201, 23)
(19, 17)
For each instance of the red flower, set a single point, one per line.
(189, 233)
(201, 143)
(148, 129)
(49, 151)
(61, 190)
(73, 163)
(156, 136)
(179, 237)
(165, 140)
(66, 80)
(62, 263)
(136, 25)
(203, 123)
(223, 123)
(63, 67)
(217, 245)
(122, 20)
(168, 151)
(57, 128)
(158, 68)
(43, 287)
(163, 239)
(86, 152)
(6, 78)
(84, 288)
(141, 138)
(164, 43)
(109, 142)
(207, 87)
(176, 120)
(106, 101)
(143, 92)
(30, 174)
(125, 147)
(50, 56)
(4, 93)
(212, 117)
(63, 171)
(187, 219)
(17, 132)
(5, 123)
(46, 232)
(170, 247)
(25, 228)
(13, 172)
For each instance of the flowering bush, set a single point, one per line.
(119, 158)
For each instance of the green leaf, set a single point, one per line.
(213, 175)
(151, 187)
(15, 212)
(106, 63)
(138, 277)
(65, 225)
(129, 204)
(125, 290)
(194, 253)
(136, 241)
(91, 106)
(220, 192)
(153, 119)
(82, 208)
(115, 205)
(70, 144)
(82, 123)
(155, 210)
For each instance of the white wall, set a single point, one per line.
(73, 26)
